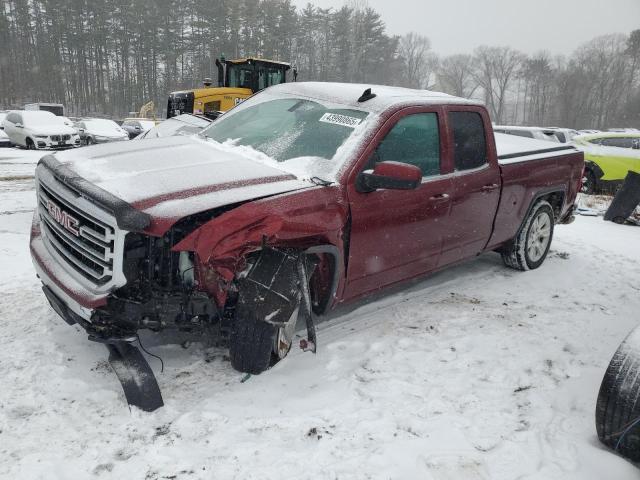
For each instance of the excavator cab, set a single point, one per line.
(237, 80)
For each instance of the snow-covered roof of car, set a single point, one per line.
(349, 93)
(526, 129)
(609, 135)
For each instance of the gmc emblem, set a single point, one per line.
(63, 218)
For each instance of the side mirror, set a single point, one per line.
(81, 130)
(138, 128)
(19, 125)
(390, 176)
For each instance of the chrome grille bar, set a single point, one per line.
(83, 238)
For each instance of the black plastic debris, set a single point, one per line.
(136, 377)
(626, 200)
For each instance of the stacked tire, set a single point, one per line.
(618, 405)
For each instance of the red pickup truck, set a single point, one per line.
(306, 196)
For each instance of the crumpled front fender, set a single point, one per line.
(301, 219)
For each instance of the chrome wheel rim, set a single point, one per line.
(539, 236)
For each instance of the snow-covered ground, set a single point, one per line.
(478, 372)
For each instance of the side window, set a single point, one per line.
(470, 146)
(619, 142)
(212, 107)
(11, 118)
(415, 139)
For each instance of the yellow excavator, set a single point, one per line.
(237, 80)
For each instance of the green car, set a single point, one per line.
(608, 157)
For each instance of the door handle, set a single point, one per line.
(439, 197)
(490, 188)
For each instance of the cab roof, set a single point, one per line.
(258, 60)
(385, 96)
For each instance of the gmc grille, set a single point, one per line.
(89, 247)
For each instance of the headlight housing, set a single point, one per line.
(41, 136)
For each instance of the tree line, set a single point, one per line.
(108, 58)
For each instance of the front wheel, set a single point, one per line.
(528, 250)
(30, 144)
(255, 344)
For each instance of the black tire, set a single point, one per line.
(618, 405)
(517, 253)
(251, 343)
(90, 141)
(30, 144)
(590, 182)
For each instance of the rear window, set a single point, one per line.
(470, 146)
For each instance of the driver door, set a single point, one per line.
(398, 234)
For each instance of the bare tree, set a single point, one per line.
(418, 60)
(455, 75)
(539, 78)
(495, 69)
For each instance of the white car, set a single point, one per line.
(98, 130)
(39, 129)
(4, 139)
(565, 135)
(538, 133)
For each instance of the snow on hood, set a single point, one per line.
(104, 128)
(53, 129)
(177, 176)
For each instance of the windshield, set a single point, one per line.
(291, 130)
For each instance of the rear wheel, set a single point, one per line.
(528, 250)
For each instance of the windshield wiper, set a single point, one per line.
(320, 182)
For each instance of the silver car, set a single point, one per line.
(98, 130)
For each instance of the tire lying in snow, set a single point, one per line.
(618, 406)
(530, 246)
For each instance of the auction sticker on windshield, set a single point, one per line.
(343, 120)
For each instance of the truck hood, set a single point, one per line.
(170, 178)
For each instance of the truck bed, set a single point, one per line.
(512, 149)
(522, 181)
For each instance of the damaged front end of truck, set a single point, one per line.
(245, 273)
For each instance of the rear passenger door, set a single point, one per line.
(476, 184)
(398, 234)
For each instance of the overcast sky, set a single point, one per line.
(458, 26)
